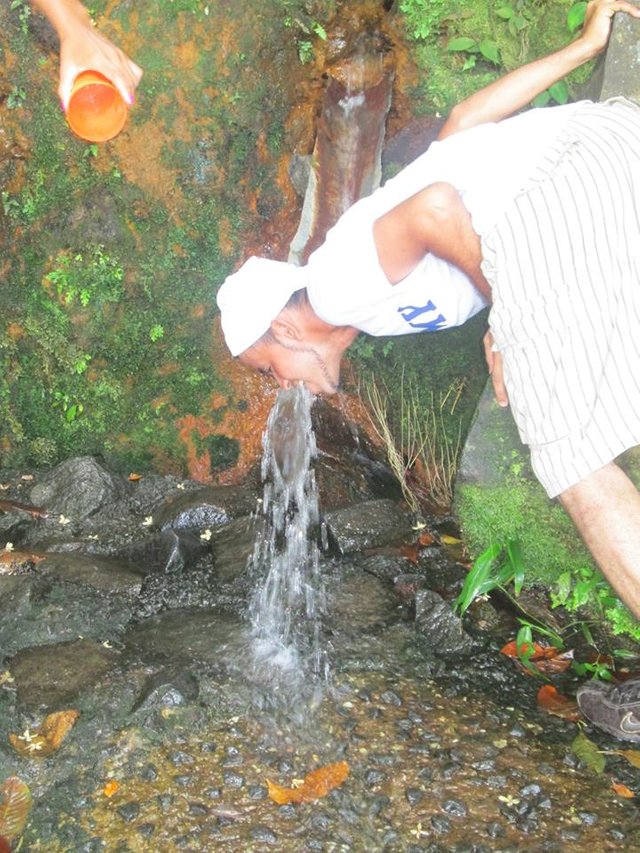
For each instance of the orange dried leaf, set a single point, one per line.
(133, 477)
(47, 738)
(622, 790)
(56, 726)
(13, 561)
(555, 703)
(15, 804)
(426, 538)
(110, 788)
(546, 659)
(316, 784)
(539, 652)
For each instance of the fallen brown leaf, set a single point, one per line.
(411, 552)
(546, 659)
(555, 703)
(47, 738)
(315, 785)
(14, 562)
(622, 790)
(15, 804)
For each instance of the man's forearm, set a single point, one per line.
(518, 88)
(515, 90)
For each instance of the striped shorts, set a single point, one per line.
(564, 265)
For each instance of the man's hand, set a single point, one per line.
(598, 20)
(494, 364)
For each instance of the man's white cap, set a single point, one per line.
(254, 296)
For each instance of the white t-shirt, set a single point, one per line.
(488, 164)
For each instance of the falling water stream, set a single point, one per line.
(288, 602)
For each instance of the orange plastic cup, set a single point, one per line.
(96, 111)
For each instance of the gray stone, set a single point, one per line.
(371, 524)
(78, 488)
(439, 625)
(101, 573)
(210, 506)
(184, 635)
(52, 677)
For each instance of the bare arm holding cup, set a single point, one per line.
(84, 48)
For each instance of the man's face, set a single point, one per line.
(291, 362)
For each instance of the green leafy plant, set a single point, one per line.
(156, 332)
(485, 48)
(576, 15)
(87, 277)
(496, 568)
(70, 408)
(24, 13)
(10, 206)
(423, 17)
(16, 97)
(586, 588)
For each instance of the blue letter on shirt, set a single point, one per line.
(410, 312)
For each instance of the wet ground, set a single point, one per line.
(125, 603)
(431, 768)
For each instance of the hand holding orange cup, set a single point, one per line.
(96, 110)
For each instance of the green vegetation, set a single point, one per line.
(461, 47)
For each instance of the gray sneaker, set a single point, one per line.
(612, 707)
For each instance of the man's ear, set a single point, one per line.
(284, 328)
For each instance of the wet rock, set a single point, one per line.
(454, 808)
(264, 834)
(439, 626)
(414, 795)
(38, 610)
(360, 603)
(78, 488)
(385, 567)
(168, 688)
(52, 677)
(165, 551)
(232, 546)
(207, 507)
(13, 527)
(441, 824)
(185, 635)
(114, 577)
(233, 780)
(257, 792)
(371, 524)
(129, 811)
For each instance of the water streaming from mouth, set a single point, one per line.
(288, 603)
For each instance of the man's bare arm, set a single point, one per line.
(519, 87)
(84, 48)
(434, 220)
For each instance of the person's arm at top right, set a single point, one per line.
(84, 48)
(519, 87)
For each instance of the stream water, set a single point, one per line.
(286, 608)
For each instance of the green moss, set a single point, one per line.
(502, 513)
